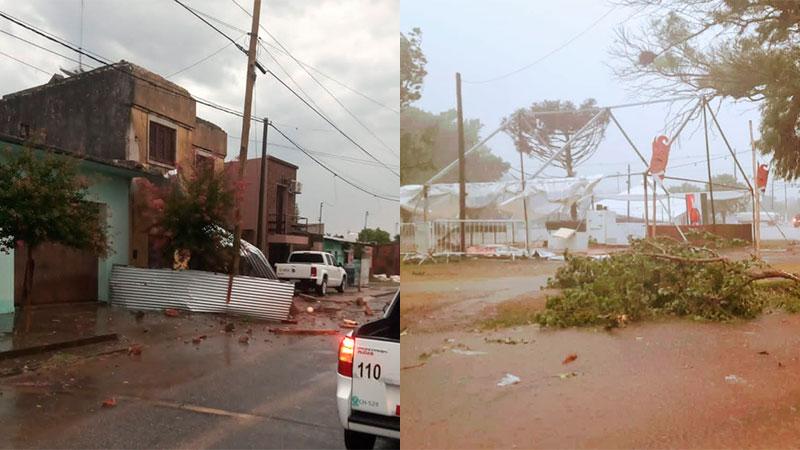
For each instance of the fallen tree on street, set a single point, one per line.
(656, 278)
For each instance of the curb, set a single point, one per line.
(37, 349)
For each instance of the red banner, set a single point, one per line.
(692, 213)
(761, 177)
(660, 157)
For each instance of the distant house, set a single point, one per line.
(285, 230)
(125, 122)
(342, 249)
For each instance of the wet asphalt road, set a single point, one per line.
(275, 392)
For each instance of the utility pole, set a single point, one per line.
(629, 193)
(248, 100)
(708, 166)
(756, 199)
(524, 197)
(262, 183)
(462, 187)
(320, 211)
(366, 216)
(785, 203)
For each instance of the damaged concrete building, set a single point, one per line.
(120, 116)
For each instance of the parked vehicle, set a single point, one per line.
(313, 269)
(368, 380)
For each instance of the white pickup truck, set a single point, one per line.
(313, 269)
(368, 380)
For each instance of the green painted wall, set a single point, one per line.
(109, 186)
(114, 192)
(334, 248)
(6, 283)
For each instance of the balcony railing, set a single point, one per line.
(287, 224)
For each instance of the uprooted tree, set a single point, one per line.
(190, 217)
(658, 277)
(44, 199)
(546, 128)
(745, 50)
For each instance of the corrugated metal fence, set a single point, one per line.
(199, 291)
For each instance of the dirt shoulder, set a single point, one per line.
(664, 384)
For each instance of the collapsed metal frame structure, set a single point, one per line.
(657, 182)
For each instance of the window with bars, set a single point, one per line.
(162, 144)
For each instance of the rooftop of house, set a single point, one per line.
(123, 66)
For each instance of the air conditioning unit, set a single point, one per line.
(295, 187)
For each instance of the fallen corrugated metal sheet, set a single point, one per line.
(199, 291)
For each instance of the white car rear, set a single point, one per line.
(368, 386)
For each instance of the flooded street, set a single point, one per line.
(200, 381)
(668, 384)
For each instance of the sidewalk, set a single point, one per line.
(97, 328)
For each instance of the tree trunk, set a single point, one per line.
(573, 208)
(27, 285)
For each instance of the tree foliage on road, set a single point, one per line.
(745, 50)
(44, 199)
(657, 277)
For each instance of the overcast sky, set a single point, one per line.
(352, 41)
(483, 40)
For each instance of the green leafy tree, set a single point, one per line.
(193, 213)
(43, 199)
(412, 67)
(376, 236)
(556, 130)
(744, 50)
(727, 182)
(428, 142)
(685, 187)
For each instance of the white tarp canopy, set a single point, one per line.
(544, 196)
(676, 207)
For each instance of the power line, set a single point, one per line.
(391, 199)
(319, 153)
(325, 88)
(27, 64)
(316, 110)
(100, 59)
(42, 47)
(332, 124)
(302, 63)
(204, 59)
(242, 49)
(548, 54)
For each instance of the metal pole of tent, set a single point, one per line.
(708, 167)
(524, 194)
(756, 212)
(646, 213)
(644, 161)
(655, 209)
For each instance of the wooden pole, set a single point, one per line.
(462, 194)
(524, 205)
(655, 209)
(756, 195)
(248, 100)
(262, 183)
(646, 213)
(629, 193)
(708, 167)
